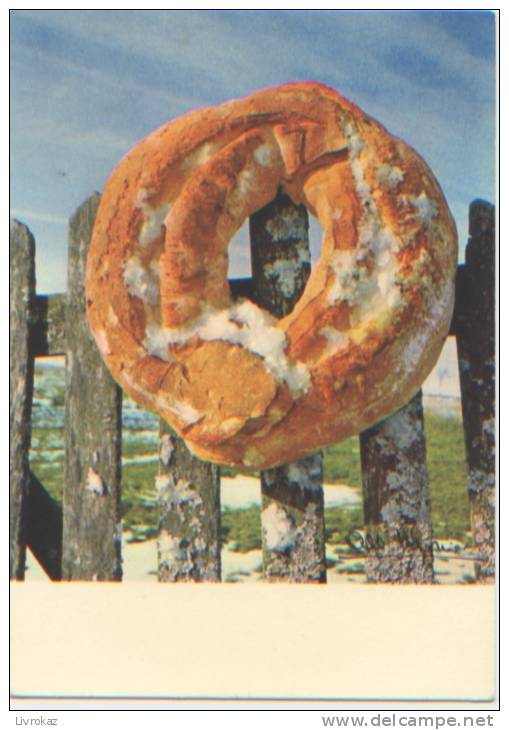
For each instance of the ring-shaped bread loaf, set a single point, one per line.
(240, 386)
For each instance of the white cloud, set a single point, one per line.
(212, 42)
(81, 79)
(25, 216)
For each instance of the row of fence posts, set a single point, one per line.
(81, 540)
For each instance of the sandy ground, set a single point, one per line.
(241, 491)
(140, 565)
(140, 558)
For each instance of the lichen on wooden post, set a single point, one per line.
(22, 301)
(398, 540)
(189, 540)
(476, 355)
(293, 529)
(91, 499)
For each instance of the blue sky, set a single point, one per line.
(87, 85)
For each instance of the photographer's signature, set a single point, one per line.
(376, 539)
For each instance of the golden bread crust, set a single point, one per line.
(241, 387)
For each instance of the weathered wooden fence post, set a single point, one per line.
(476, 354)
(293, 531)
(91, 502)
(398, 539)
(22, 301)
(189, 541)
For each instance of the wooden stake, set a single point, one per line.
(293, 528)
(189, 541)
(476, 354)
(91, 501)
(22, 300)
(398, 541)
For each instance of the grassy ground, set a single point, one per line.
(446, 466)
(447, 478)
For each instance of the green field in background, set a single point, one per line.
(446, 467)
